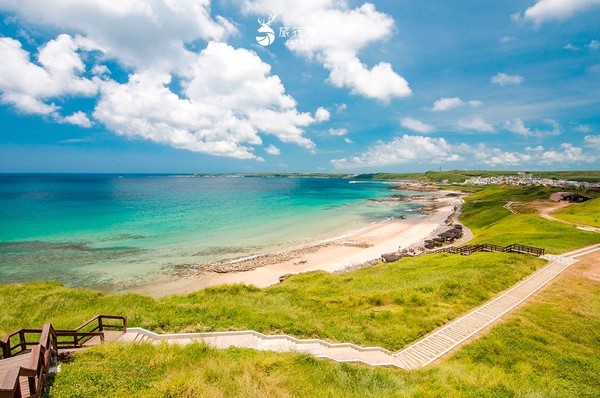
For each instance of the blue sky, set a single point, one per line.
(345, 86)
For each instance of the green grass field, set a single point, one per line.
(550, 348)
(491, 223)
(587, 213)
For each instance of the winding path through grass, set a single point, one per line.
(548, 216)
(545, 209)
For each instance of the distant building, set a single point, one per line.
(527, 179)
(576, 198)
(568, 197)
(558, 196)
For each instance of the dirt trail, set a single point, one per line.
(545, 209)
(547, 214)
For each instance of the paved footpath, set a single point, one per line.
(416, 355)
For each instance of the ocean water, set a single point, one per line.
(112, 232)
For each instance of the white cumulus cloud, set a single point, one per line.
(100, 70)
(272, 150)
(223, 110)
(401, 150)
(475, 124)
(544, 10)
(341, 108)
(222, 101)
(322, 115)
(594, 45)
(518, 127)
(583, 128)
(337, 34)
(428, 150)
(444, 104)
(497, 157)
(139, 33)
(78, 119)
(502, 79)
(338, 132)
(592, 141)
(416, 125)
(567, 154)
(28, 86)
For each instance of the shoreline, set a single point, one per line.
(351, 250)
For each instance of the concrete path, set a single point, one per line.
(419, 354)
(508, 206)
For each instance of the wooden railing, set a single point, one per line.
(45, 350)
(43, 354)
(24, 342)
(516, 248)
(488, 247)
(95, 327)
(66, 338)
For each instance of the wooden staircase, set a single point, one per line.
(28, 354)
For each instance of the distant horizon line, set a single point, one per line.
(286, 173)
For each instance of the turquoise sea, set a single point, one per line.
(112, 232)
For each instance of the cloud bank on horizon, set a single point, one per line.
(192, 75)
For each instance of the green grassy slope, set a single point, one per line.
(587, 213)
(549, 348)
(491, 223)
(385, 305)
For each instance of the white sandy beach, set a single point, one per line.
(332, 255)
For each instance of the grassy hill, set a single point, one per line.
(491, 223)
(548, 348)
(384, 305)
(587, 213)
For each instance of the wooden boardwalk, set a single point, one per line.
(419, 354)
